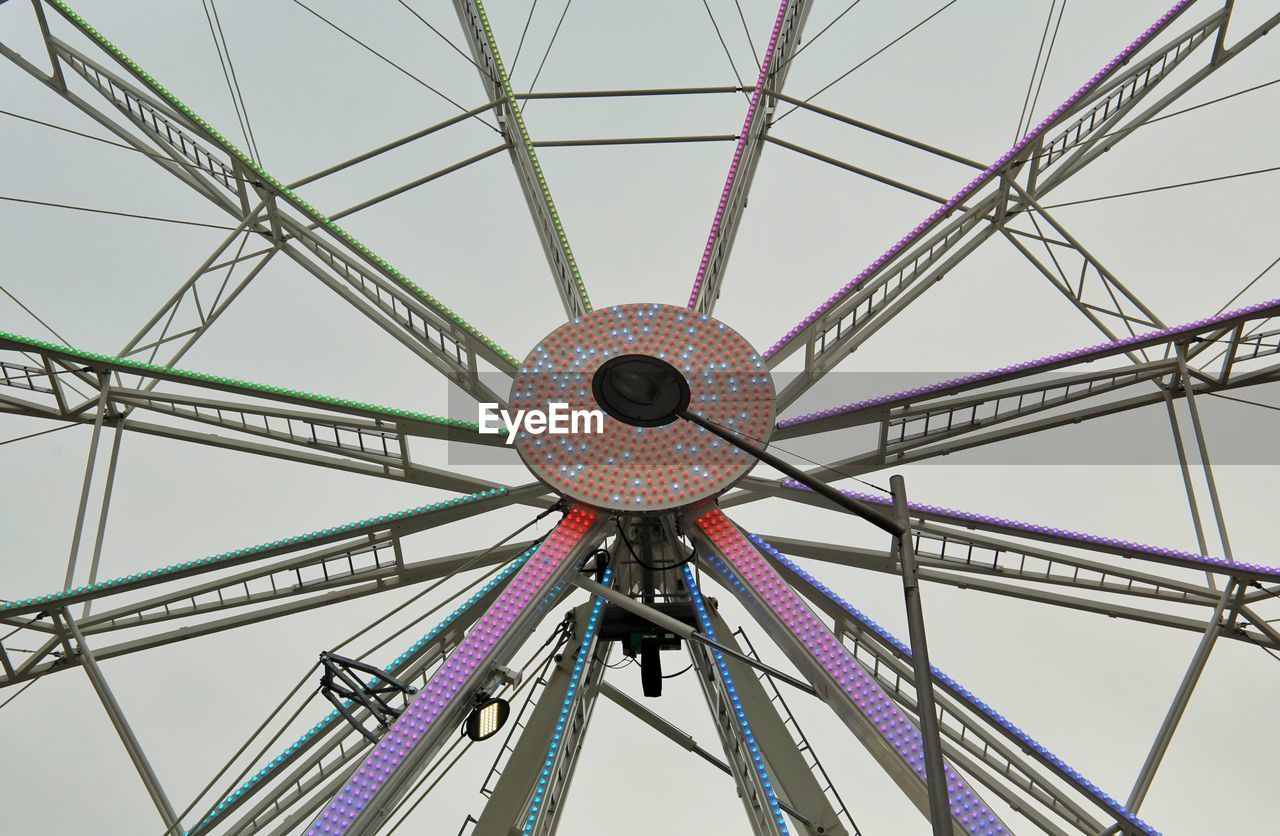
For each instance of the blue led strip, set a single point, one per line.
(704, 619)
(962, 693)
(585, 649)
(312, 735)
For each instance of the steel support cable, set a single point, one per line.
(229, 74)
(30, 202)
(387, 60)
(34, 315)
(33, 435)
(1245, 289)
(1053, 39)
(445, 38)
(547, 54)
(1165, 188)
(746, 30)
(1244, 401)
(1035, 68)
(866, 60)
(725, 46)
(165, 157)
(378, 621)
(822, 32)
(523, 32)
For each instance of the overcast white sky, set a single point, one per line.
(1092, 689)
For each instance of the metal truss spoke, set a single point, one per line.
(365, 801)
(1053, 391)
(266, 420)
(835, 674)
(151, 119)
(970, 727)
(533, 183)
(783, 42)
(1043, 160)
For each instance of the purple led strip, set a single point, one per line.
(1261, 310)
(959, 691)
(977, 182)
(1125, 548)
(440, 698)
(737, 154)
(746, 569)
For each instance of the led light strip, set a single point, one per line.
(366, 796)
(1124, 548)
(962, 693)
(580, 673)
(280, 188)
(749, 574)
(109, 363)
(737, 155)
(312, 735)
(1261, 310)
(987, 175)
(704, 620)
(234, 558)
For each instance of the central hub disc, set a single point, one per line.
(640, 364)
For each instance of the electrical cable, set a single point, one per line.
(867, 60)
(392, 63)
(810, 42)
(546, 54)
(116, 214)
(677, 673)
(693, 552)
(725, 46)
(1166, 188)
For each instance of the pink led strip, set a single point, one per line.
(737, 154)
(987, 175)
(746, 568)
(444, 696)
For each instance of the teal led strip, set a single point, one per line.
(126, 365)
(280, 188)
(757, 758)
(585, 649)
(129, 581)
(514, 107)
(312, 735)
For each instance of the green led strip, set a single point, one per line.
(124, 364)
(239, 554)
(533, 157)
(280, 188)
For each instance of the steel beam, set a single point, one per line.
(533, 183)
(774, 68)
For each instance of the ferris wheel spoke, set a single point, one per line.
(292, 784)
(276, 579)
(748, 722)
(837, 676)
(535, 773)
(783, 42)
(1093, 120)
(968, 724)
(403, 753)
(149, 117)
(1231, 350)
(533, 183)
(265, 420)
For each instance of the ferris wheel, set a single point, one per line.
(646, 498)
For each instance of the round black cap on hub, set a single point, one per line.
(640, 390)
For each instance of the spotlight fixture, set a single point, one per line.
(487, 717)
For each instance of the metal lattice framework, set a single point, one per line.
(359, 776)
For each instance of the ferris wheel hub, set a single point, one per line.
(639, 365)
